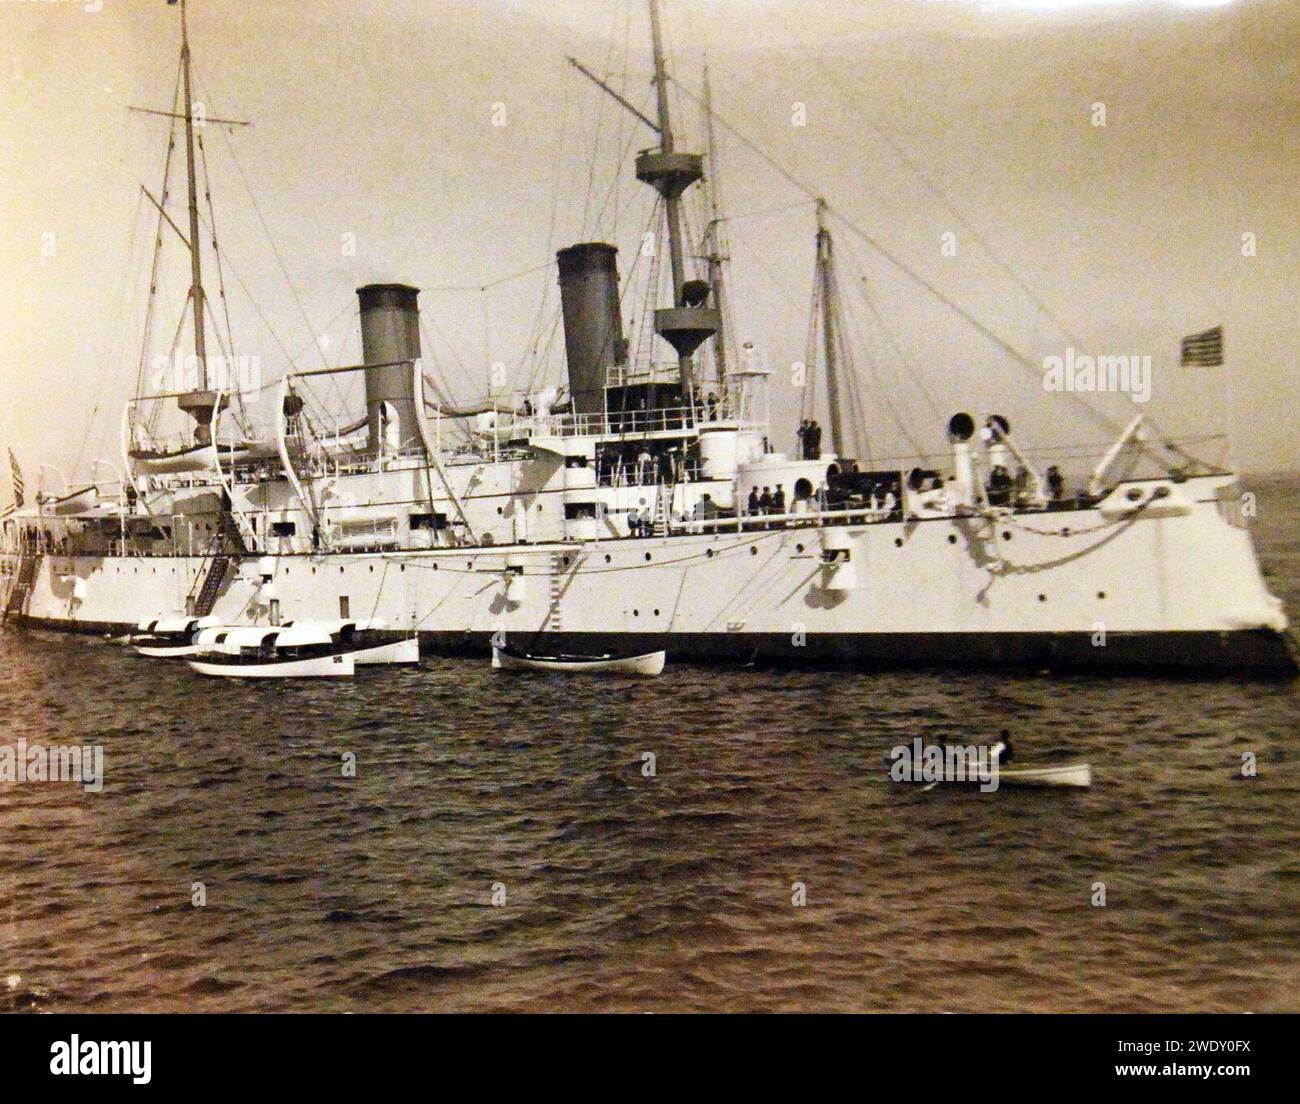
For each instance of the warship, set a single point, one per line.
(643, 504)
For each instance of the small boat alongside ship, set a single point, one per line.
(170, 637)
(211, 645)
(646, 665)
(365, 640)
(276, 652)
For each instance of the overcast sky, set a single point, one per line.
(373, 155)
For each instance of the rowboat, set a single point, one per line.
(639, 666)
(279, 652)
(1071, 774)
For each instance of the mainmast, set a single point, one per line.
(672, 199)
(688, 322)
(826, 294)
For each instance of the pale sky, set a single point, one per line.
(373, 125)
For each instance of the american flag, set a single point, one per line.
(19, 486)
(1203, 350)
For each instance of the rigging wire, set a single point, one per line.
(241, 417)
(985, 331)
(114, 346)
(275, 249)
(151, 420)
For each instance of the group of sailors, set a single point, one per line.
(767, 502)
(1005, 489)
(810, 440)
(646, 468)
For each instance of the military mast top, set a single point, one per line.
(688, 322)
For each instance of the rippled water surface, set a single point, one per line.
(633, 893)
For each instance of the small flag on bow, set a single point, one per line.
(1203, 350)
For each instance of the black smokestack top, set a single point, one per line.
(593, 327)
(390, 331)
(390, 296)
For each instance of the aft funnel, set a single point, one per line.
(593, 327)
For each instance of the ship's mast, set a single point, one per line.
(826, 287)
(716, 256)
(689, 321)
(196, 269)
(672, 199)
(201, 403)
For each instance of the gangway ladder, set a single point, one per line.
(554, 619)
(663, 509)
(226, 544)
(28, 564)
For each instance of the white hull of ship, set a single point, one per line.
(1071, 587)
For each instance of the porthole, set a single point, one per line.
(1042, 597)
(708, 552)
(898, 542)
(647, 556)
(1065, 532)
(372, 567)
(952, 538)
(636, 613)
(753, 550)
(1006, 534)
(566, 561)
(609, 558)
(656, 613)
(500, 511)
(798, 547)
(1133, 494)
(1101, 594)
